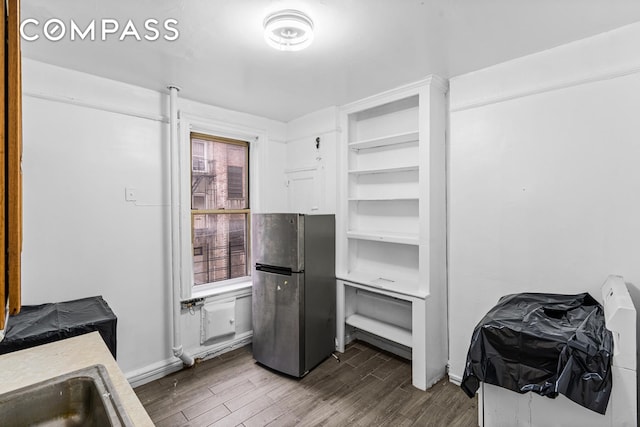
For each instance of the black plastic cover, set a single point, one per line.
(545, 343)
(41, 324)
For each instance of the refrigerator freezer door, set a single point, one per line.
(277, 319)
(278, 240)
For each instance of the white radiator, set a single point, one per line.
(218, 320)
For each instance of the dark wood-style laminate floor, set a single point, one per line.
(368, 387)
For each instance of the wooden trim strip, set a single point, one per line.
(14, 156)
(3, 253)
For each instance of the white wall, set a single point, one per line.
(310, 174)
(85, 139)
(544, 177)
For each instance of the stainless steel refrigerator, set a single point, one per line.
(294, 297)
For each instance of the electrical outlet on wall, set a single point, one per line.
(130, 194)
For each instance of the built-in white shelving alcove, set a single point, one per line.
(391, 225)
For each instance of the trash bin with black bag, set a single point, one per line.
(544, 343)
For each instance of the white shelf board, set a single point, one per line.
(382, 329)
(383, 141)
(385, 236)
(390, 285)
(384, 170)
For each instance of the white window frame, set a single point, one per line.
(256, 139)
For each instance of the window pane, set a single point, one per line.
(198, 201)
(218, 173)
(234, 182)
(198, 157)
(219, 247)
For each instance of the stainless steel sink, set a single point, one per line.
(81, 398)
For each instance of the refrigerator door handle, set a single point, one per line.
(273, 269)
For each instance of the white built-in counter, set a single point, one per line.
(25, 367)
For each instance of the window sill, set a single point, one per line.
(219, 290)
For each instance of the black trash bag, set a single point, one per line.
(45, 323)
(545, 343)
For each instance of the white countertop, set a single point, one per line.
(24, 367)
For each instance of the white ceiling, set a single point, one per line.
(361, 46)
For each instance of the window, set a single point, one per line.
(219, 208)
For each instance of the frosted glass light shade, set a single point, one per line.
(289, 30)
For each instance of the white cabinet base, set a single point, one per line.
(403, 326)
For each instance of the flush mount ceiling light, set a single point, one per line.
(288, 30)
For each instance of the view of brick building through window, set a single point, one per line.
(219, 208)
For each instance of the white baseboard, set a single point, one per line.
(163, 368)
(456, 379)
(153, 372)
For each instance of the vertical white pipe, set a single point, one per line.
(175, 226)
